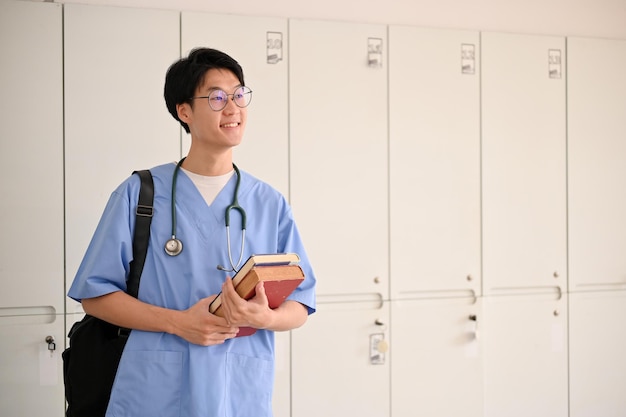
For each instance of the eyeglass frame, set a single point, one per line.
(227, 96)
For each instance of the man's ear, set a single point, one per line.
(184, 112)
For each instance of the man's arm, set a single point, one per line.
(196, 325)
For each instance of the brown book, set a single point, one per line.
(280, 275)
(269, 259)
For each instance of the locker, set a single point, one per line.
(338, 149)
(31, 255)
(434, 142)
(116, 120)
(340, 361)
(597, 344)
(523, 162)
(260, 46)
(32, 156)
(436, 357)
(596, 163)
(281, 401)
(524, 341)
(32, 374)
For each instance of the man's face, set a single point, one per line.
(219, 130)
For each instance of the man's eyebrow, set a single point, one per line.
(212, 88)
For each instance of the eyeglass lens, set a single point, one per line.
(219, 98)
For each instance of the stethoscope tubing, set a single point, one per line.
(174, 246)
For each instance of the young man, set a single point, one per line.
(181, 360)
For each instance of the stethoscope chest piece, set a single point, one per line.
(173, 246)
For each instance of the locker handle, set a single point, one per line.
(538, 289)
(602, 284)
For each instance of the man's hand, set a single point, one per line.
(200, 327)
(254, 312)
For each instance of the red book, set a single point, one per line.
(280, 275)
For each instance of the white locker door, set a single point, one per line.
(434, 124)
(524, 340)
(260, 46)
(338, 148)
(32, 375)
(523, 162)
(116, 120)
(281, 401)
(31, 253)
(597, 163)
(340, 361)
(597, 345)
(436, 369)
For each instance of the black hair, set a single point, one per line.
(187, 74)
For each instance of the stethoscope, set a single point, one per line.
(174, 246)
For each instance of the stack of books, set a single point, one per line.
(280, 274)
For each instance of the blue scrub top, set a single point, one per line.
(161, 374)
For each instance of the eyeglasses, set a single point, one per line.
(219, 98)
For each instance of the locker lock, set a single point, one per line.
(51, 344)
(474, 320)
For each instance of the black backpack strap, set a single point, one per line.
(142, 230)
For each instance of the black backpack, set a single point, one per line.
(90, 362)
